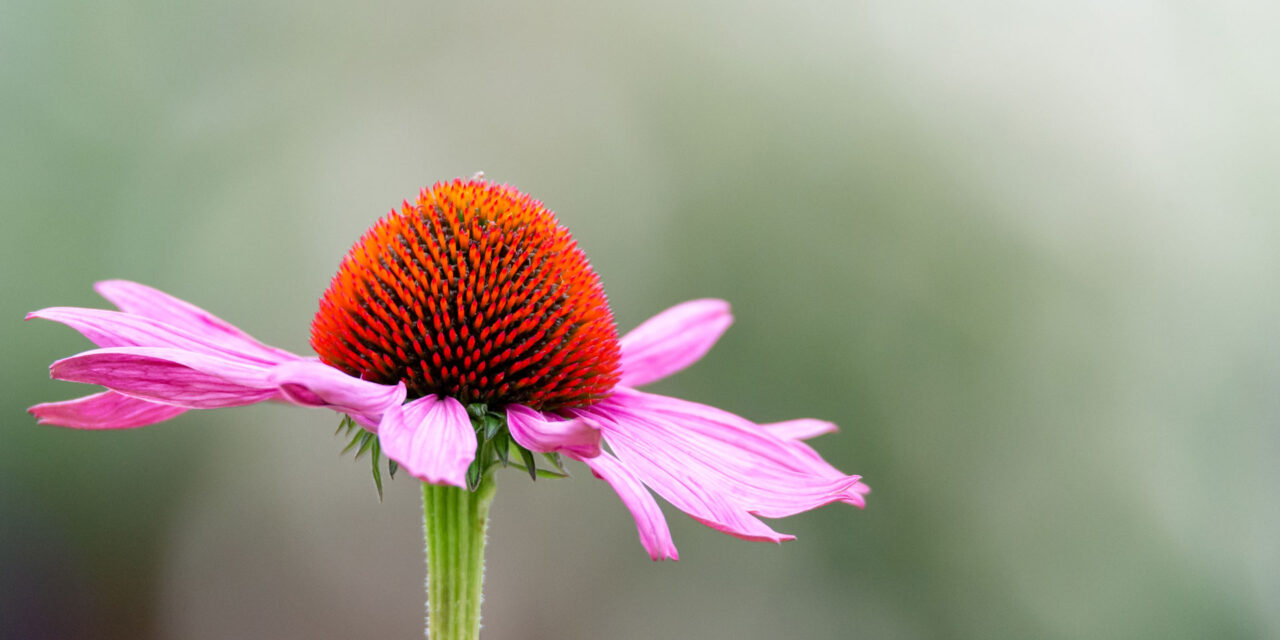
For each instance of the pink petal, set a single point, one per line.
(801, 429)
(170, 376)
(144, 301)
(106, 410)
(795, 431)
(312, 383)
(533, 431)
(718, 467)
(431, 437)
(798, 478)
(755, 445)
(117, 329)
(680, 481)
(652, 526)
(672, 340)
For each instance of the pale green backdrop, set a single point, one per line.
(1025, 254)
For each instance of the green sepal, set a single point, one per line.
(542, 473)
(530, 464)
(367, 442)
(554, 458)
(347, 424)
(479, 466)
(493, 423)
(477, 410)
(502, 447)
(377, 471)
(355, 440)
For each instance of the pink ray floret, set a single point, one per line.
(159, 356)
(431, 437)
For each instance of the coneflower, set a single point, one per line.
(464, 332)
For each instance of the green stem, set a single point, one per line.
(456, 520)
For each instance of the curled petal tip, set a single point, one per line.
(856, 495)
(671, 555)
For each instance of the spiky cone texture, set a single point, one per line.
(474, 292)
(472, 298)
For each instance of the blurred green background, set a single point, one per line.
(1026, 255)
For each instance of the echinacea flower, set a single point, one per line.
(463, 323)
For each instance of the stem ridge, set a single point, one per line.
(456, 522)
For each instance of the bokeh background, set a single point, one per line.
(1025, 254)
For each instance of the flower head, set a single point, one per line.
(473, 292)
(459, 329)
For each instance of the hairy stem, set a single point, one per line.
(456, 522)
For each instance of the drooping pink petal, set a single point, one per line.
(677, 476)
(118, 329)
(751, 444)
(312, 383)
(533, 431)
(106, 410)
(801, 429)
(650, 523)
(810, 480)
(672, 340)
(147, 302)
(718, 467)
(170, 376)
(431, 437)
